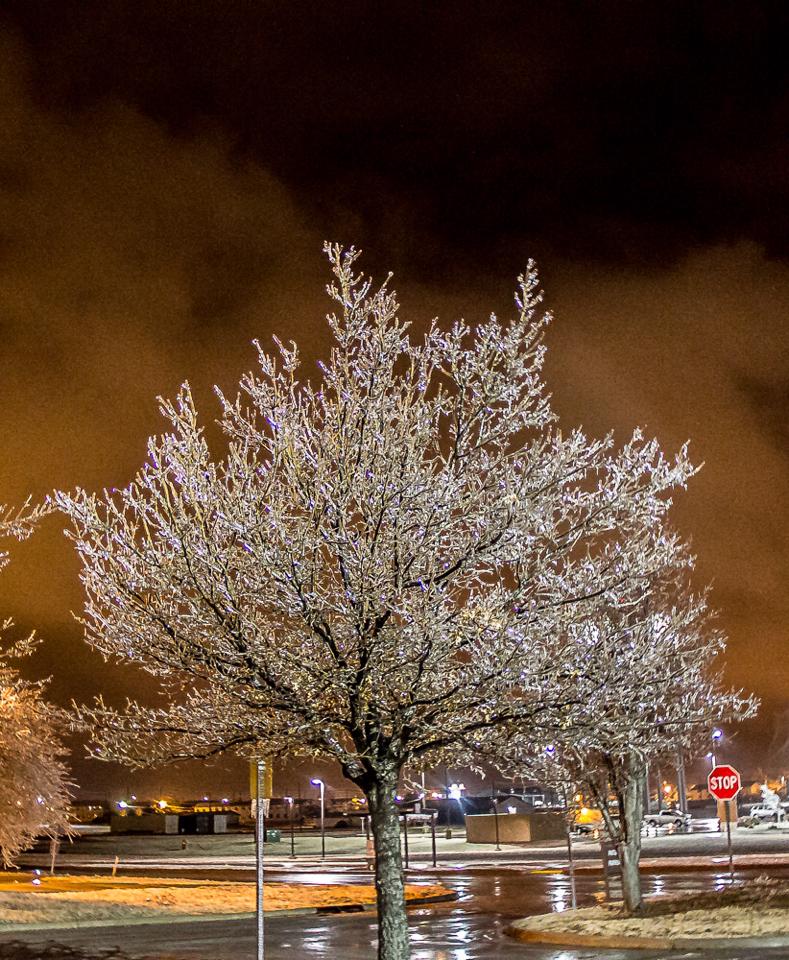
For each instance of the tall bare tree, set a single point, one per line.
(377, 566)
(34, 781)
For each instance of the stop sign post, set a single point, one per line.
(724, 783)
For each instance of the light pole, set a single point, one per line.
(716, 738)
(289, 801)
(316, 782)
(682, 784)
(260, 833)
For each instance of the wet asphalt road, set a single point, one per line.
(471, 928)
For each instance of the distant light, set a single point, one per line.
(162, 804)
(511, 810)
(36, 882)
(667, 788)
(288, 800)
(133, 797)
(205, 798)
(225, 800)
(122, 804)
(316, 782)
(717, 734)
(455, 791)
(398, 798)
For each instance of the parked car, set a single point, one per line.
(763, 813)
(668, 817)
(588, 821)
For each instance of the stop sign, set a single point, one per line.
(723, 782)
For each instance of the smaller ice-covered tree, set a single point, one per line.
(647, 679)
(34, 781)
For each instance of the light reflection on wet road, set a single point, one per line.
(470, 928)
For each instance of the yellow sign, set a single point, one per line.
(268, 779)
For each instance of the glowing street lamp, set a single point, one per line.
(316, 782)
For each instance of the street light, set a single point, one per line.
(319, 783)
(716, 738)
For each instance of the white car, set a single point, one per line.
(668, 818)
(765, 814)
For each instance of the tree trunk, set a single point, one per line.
(392, 920)
(631, 811)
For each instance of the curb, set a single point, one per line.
(592, 866)
(568, 939)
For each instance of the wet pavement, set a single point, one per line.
(470, 928)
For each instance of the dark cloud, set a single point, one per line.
(623, 132)
(168, 172)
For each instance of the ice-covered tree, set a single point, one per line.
(376, 566)
(649, 684)
(34, 781)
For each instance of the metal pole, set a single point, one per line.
(570, 859)
(260, 768)
(405, 838)
(572, 866)
(682, 782)
(292, 832)
(495, 815)
(433, 819)
(323, 822)
(728, 840)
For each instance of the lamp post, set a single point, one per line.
(316, 782)
(495, 812)
(289, 801)
(260, 833)
(716, 739)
